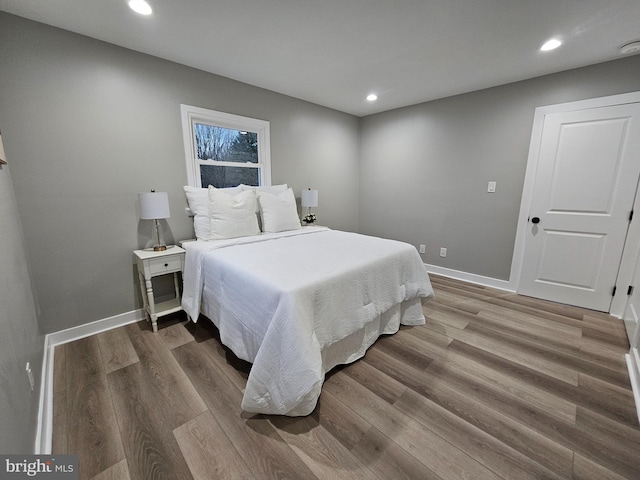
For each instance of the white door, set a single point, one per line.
(587, 174)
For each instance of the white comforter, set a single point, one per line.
(296, 304)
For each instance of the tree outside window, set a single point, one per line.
(225, 150)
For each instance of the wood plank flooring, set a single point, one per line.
(494, 386)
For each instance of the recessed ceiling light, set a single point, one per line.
(372, 97)
(140, 6)
(631, 47)
(550, 45)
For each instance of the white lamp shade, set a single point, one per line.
(309, 198)
(154, 205)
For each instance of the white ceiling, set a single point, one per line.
(335, 52)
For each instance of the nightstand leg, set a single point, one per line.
(143, 293)
(152, 305)
(176, 284)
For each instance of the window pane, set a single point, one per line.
(222, 177)
(225, 144)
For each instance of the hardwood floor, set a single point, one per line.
(494, 386)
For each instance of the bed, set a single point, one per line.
(297, 302)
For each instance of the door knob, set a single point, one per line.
(535, 220)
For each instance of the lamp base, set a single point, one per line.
(160, 248)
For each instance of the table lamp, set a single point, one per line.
(309, 200)
(155, 206)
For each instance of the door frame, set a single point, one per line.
(629, 255)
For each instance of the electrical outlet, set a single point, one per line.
(423, 248)
(30, 376)
(443, 252)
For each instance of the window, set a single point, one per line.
(225, 150)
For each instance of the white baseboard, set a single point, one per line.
(471, 278)
(99, 326)
(44, 430)
(633, 365)
(45, 405)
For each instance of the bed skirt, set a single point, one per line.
(346, 350)
(354, 346)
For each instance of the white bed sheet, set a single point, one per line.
(295, 304)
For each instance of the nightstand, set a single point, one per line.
(153, 264)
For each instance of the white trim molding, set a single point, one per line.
(92, 328)
(44, 430)
(470, 277)
(633, 365)
(191, 115)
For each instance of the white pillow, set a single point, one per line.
(272, 189)
(198, 200)
(232, 216)
(279, 212)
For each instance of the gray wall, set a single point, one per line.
(88, 125)
(424, 169)
(20, 341)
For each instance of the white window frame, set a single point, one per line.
(191, 115)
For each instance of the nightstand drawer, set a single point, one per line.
(165, 265)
